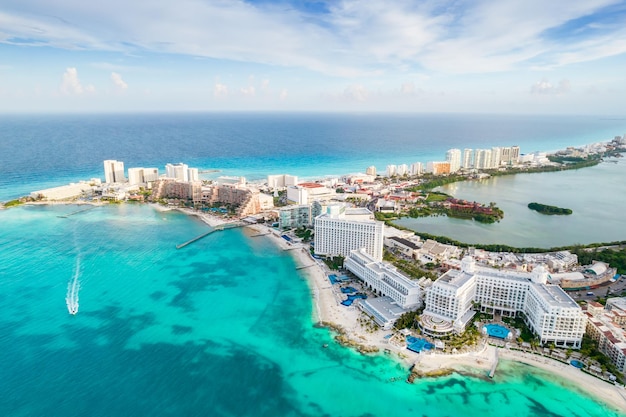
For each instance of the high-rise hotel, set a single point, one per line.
(113, 171)
(341, 230)
(548, 311)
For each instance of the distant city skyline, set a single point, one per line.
(561, 57)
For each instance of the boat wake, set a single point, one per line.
(71, 299)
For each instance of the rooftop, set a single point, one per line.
(555, 296)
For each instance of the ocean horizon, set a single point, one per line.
(224, 326)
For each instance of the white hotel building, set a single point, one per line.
(398, 293)
(384, 278)
(548, 311)
(341, 230)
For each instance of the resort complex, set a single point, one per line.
(423, 293)
(549, 311)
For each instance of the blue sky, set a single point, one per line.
(526, 56)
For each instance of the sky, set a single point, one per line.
(467, 56)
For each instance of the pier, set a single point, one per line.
(261, 234)
(215, 229)
(304, 266)
(65, 216)
(492, 372)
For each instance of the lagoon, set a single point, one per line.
(596, 195)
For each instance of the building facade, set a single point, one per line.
(384, 279)
(340, 231)
(453, 157)
(547, 310)
(294, 216)
(113, 171)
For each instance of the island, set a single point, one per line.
(546, 209)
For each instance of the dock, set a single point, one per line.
(304, 266)
(65, 216)
(261, 234)
(215, 229)
(189, 242)
(492, 372)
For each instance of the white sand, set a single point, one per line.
(209, 219)
(327, 308)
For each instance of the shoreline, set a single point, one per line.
(328, 312)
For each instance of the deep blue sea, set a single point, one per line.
(48, 150)
(222, 327)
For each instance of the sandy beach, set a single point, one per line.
(358, 330)
(327, 309)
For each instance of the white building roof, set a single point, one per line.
(555, 296)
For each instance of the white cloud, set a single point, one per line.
(119, 83)
(354, 38)
(248, 91)
(71, 85)
(407, 88)
(544, 87)
(220, 90)
(283, 94)
(356, 92)
(265, 84)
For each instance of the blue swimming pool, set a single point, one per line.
(497, 331)
(416, 344)
(577, 364)
(352, 297)
(348, 290)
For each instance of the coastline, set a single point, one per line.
(328, 312)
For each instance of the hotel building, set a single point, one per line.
(438, 168)
(607, 326)
(468, 158)
(548, 310)
(417, 168)
(341, 230)
(294, 216)
(398, 293)
(453, 157)
(308, 192)
(278, 182)
(138, 176)
(113, 171)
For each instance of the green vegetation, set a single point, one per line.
(410, 268)
(616, 257)
(469, 337)
(435, 196)
(408, 320)
(546, 209)
(590, 350)
(519, 323)
(383, 217)
(13, 203)
(304, 233)
(334, 263)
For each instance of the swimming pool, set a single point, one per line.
(577, 364)
(416, 344)
(497, 331)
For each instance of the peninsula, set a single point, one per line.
(430, 305)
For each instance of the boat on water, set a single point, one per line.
(71, 299)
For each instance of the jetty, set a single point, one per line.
(65, 216)
(215, 229)
(492, 372)
(304, 266)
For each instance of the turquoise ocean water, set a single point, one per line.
(224, 326)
